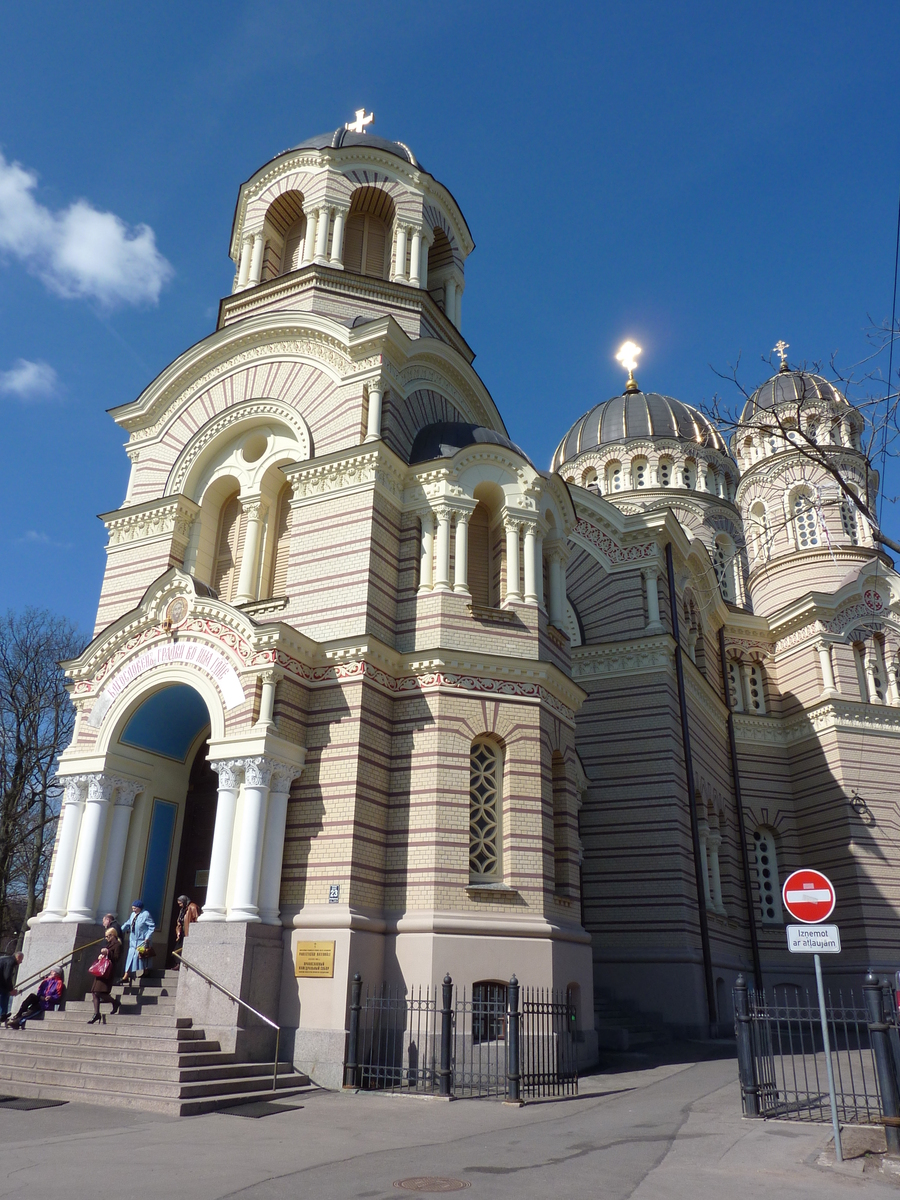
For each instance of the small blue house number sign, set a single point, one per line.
(334, 893)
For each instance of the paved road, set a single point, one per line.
(670, 1132)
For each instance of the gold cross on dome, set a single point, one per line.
(362, 120)
(781, 348)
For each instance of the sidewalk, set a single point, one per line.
(669, 1131)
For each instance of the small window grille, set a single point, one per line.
(806, 522)
(688, 476)
(849, 521)
(640, 474)
(664, 474)
(755, 701)
(735, 691)
(484, 810)
(760, 527)
(767, 876)
(722, 565)
(614, 477)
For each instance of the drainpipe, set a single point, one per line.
(692, 804)
(739, 811)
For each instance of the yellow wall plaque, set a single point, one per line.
(315, 960)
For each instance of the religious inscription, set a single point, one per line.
(315, 960)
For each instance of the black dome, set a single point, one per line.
(443, 439)
(345, 137)
(634, 415)
(789, 387)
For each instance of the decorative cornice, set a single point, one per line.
(611, 550)
(635, 658)
(168, 517)
(353, 473)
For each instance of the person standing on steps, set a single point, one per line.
(140, 926)
(101, 988)
(9, 965)
(188, 912)
(111, 921)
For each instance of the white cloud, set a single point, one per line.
(34, 537)
(80, 251)
(28, 380)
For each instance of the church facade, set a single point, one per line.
(368, 683)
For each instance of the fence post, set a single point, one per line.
(887, 1083)
(351, 1065)
(446, 1081)
(746, 1071)
(513, 1074)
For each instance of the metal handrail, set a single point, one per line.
(179, 954)
(71, 954)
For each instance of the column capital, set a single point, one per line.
(271, 674)
(74, 788)
(283, 775)
(229, 771)
(258, 234)
(511, 524)
(247, 237)
(650, 572)
(531, 528)
(258, 771)
(443, 511)
(126, 791)
(100, 788)
(251, 507)
(427, 518)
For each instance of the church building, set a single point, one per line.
(375, 689)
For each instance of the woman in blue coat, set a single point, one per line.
(140, 927)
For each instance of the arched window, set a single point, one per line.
(767, 875)
(366, 237)
(229, 544)
(560, 823)
(666, 467)
(614, 481)
(759, 531)
(806, 522)
(485, 790)
(282, 543)
(723, 562)
(589, 478)
(849, 520)
(293, 247)
(639, 473)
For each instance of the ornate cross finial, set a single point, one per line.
(780, 348)
(362, 120)
(627, 356)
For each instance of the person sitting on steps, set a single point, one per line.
(48, 996)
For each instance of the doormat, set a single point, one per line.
(24, 1104)
(258, 1108)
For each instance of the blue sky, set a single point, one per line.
(703, 178)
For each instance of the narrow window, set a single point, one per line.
(805, 521)
(735, 691)
(723, 562)
(639, 473)
(484, 811)
(489, 1001)
(293, 247)
(282, 547)
(687, 476)
(759, 526)
(479, 563)
(589, 478)
(365, 242)
(753, 677)
(665, 473)
(614, 477)
(767, 876)
(560, 821)
(228, 548)
(849, 521)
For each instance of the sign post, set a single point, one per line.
(809, 897)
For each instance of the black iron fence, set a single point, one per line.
(497, 1040)
(781, 1057)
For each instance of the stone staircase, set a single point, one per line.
(144, 1057)
(622, 1028)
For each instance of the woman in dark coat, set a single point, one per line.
(101, 989)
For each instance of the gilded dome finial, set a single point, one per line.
(627, 356)
(780, 348)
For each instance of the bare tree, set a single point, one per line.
(36, 722)
(798, 426)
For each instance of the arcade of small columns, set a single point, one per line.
(411, 243)
(522, 587)
(871, 670)
(93, 801)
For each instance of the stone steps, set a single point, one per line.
(143, 1058)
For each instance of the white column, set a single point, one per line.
(893, 693)
(60, 882)
(322, 235)
(126, 790)
(244, 266)
(85, 875)
(531, 563)
(870, 660)
(309, 241)
(449, 298)
(557, 589)
(373, 420)
(829, 687)
(442, 550)
(713, 842)
(539, 567)
(245, 896)
(256, 260)
(415, 257)
(337, 239)
(273, 844)
(249, 568)
(651, 581)
(270, 680)
(461, 557)
(702, 481)
(223, 835)
(423, 263)
(400, 255)
(457, 309)
(513, 573)
(426, 568)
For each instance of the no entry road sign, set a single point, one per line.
(808, 896)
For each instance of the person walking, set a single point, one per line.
(9, 965)
(188, 913)
(111, 921)
(101, 988)
(140, 926)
